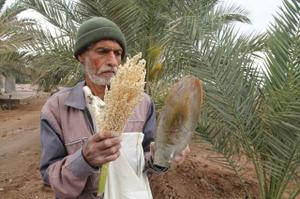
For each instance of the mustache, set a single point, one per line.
(102, 69)
(105, 69)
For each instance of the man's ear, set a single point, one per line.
(81, 58)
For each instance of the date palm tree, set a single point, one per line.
(11, 60)
(149, 26)
(255, 112)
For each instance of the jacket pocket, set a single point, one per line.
(75, 144)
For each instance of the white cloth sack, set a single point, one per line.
(125, 179)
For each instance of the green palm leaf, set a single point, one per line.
(148, 25)
(252, 112)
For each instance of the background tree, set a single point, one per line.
(149, 26)
(11, 59)
(253, 112)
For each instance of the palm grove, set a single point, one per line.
(248, 111)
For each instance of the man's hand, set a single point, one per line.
(101, 148)
(178, 159)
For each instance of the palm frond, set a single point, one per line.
(282, 110)
(231, 13)
(2, 2)
(247, 113)
(59, 13)
(11, 11)
(12, 61)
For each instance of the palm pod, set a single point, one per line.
(178, 119)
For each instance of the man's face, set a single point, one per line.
(100, 61)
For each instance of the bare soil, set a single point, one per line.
(196, 178)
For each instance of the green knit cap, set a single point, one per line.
(96, 29)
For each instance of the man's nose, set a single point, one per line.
(113, 59)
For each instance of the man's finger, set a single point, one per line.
(108, 143)
(186, 150)
(152, 146)
(111, 150)
(112, 157)
(101, 136)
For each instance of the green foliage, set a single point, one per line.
(12, 62)
(281, 110)
(232, 86)
(149, 27)
(252, 112)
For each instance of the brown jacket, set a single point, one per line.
(65, 126)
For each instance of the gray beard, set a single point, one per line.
(93, 74)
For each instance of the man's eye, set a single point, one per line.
(103, 51)
(118, 53)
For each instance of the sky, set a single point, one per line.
(260, 13)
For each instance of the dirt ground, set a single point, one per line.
(20, 152)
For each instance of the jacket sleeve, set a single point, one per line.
(66, 174)
(149, 128)
(149, 134)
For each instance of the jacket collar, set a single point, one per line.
(76, 97)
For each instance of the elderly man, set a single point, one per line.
(72, 152)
